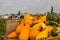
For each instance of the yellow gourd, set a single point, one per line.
(20, 26)
(38, 26)
(27, 18)
(43, 34)
(36, 29)
(42, 19)
(49, 27)
(24, 35)
(58, 29)
(12, 35)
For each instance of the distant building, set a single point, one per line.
(4, 16)
(16, 16)
(12, 16)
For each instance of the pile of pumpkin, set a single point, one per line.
(35, 28)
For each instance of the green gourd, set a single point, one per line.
(54, 32)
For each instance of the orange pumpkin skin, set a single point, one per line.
(12, 35)
(27, 18)
(35, 18)
(24, 35)
(20, 26)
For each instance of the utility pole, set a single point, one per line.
(51, 9)
(19, 12)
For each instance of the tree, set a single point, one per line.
(52, 15)
(59, 17)
(12, 14)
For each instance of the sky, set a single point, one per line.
(31, 6)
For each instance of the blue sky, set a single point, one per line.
(31, 6)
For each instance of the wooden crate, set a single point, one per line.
(10, 26)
